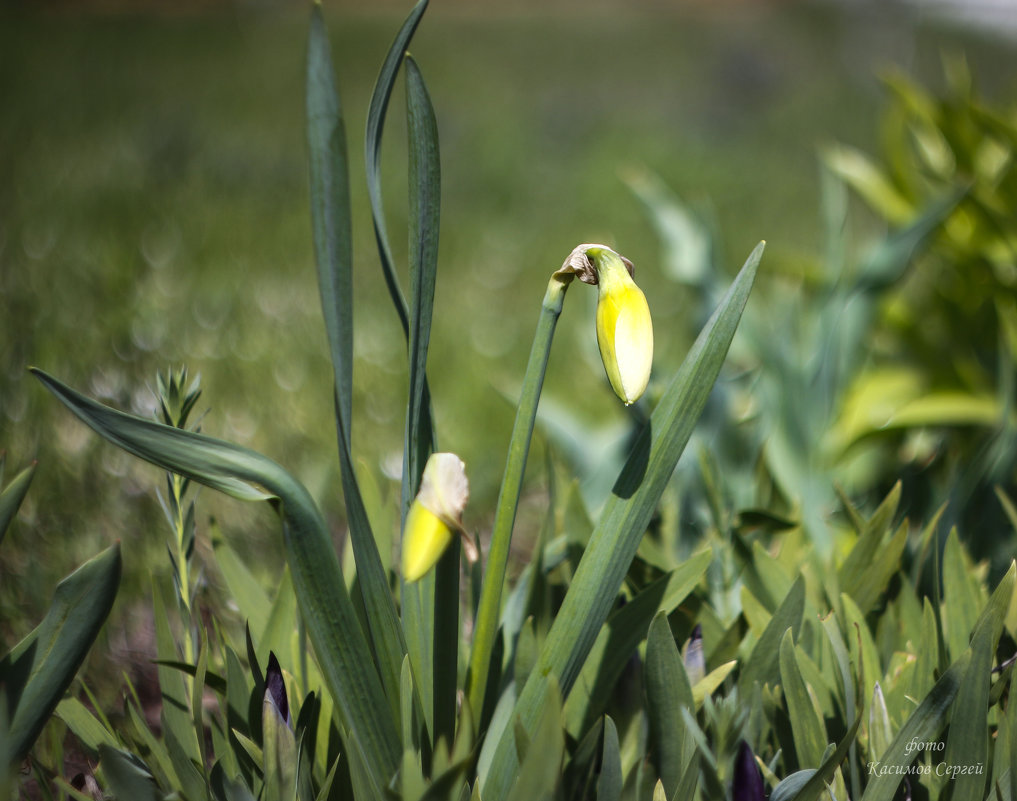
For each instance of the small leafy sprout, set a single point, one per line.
(435, 514)
(624, 328)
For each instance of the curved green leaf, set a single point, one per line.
(332, 623)
(375, 125)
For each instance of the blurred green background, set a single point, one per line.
(153, 212)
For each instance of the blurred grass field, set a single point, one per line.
(153, 212)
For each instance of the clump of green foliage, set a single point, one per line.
(940, 387)
(629, 659)
(36, 672)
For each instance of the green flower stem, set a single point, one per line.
(489, 610)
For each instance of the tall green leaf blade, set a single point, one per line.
(375, 126)
(331, 221)
(37, 677)
(12, 496)
(431, 615)
(332, 624)
(624, 519)
(424, 213)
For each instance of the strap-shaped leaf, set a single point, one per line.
(424, 213)
(625, 517)
(332, 624)
(332, 226)
(667, 690)
(435, 663)
(38, 671)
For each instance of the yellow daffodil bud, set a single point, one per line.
(435, 515)
(624, 329)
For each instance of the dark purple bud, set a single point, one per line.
(275, 689)
(748, 783)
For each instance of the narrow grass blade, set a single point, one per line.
(625, 517)
(35, 676)
(332, 226)
(923, 726)
(12, 496)
(332, 624)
